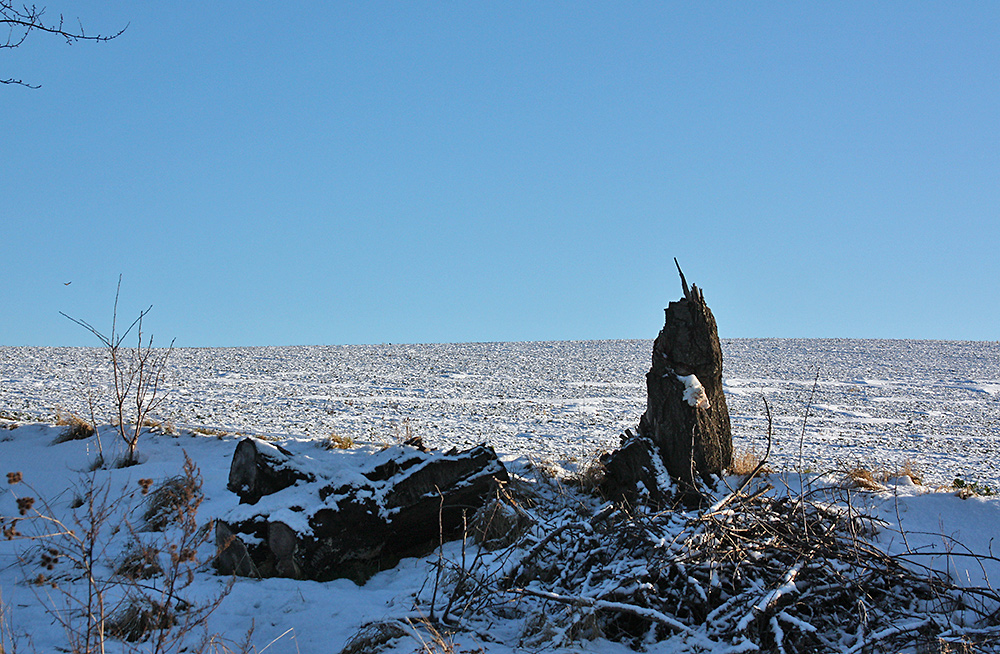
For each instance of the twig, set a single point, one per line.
(640, 611)
(889, 633)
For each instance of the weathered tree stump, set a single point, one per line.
(320, 515)
(685, 428)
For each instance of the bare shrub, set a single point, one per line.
(137, 377)
(147, 597)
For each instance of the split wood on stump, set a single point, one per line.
(685, 432)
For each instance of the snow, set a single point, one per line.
(835, 402)
(694, 392)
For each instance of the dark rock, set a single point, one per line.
(634, 472)
(260, 469)
(350, 514)
(232, 557)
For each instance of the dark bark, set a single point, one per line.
(689, 431)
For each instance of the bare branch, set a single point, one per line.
(22, 20)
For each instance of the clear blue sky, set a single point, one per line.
(365, 172)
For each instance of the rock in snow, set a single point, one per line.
(325, 514)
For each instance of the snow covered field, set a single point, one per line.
(877, 403)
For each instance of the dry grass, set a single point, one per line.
(160, 426)
(167, 502)
(139, 562)
(402, 434)
(431, 640)
(374, 637)
(863, 478)
(544, 468)
(208, 431)
(956, 645)
(499, 524)
(589, 475)
(337, 442)
(874, 479)
(138, 619)
(77, 429)
(746, 462)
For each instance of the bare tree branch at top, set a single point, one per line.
(21, 20)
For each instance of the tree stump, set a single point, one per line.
(685, 427)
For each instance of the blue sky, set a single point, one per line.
(332, 173)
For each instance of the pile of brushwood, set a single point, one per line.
(760, 568)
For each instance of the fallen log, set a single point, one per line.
(321, 514)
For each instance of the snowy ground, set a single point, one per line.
(877, 403)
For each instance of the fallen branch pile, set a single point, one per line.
(760, 570)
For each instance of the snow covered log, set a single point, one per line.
(330, 514)
(685, 428)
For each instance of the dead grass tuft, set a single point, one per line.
(167, 502)
(874, 479)
(956, 645)
(139, 619)
(863, 478)
(374, 637)
(164, 427)
(544, 468)
(77, 429)
(745, 462)
(337, 442)
(208, 431)
(503, 520)
(590, 474)
(140, 562)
